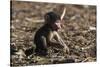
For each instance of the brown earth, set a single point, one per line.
(79, 32)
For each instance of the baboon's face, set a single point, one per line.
(57, 25)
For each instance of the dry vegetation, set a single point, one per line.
(79, 32)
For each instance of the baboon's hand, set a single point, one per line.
(66, 49)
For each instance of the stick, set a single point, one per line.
(63, 14)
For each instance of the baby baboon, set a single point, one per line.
(47, 34)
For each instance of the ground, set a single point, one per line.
(79, 32)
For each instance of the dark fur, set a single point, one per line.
(40, 39)
(41, 36)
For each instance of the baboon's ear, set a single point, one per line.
(46, 17)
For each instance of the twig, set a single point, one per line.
(63, 14)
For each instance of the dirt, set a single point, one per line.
(79, 32)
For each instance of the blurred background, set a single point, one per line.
(79, 31)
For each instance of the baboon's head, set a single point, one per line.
(53, 19)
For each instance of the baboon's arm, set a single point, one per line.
(61, 42)
(51, 41)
